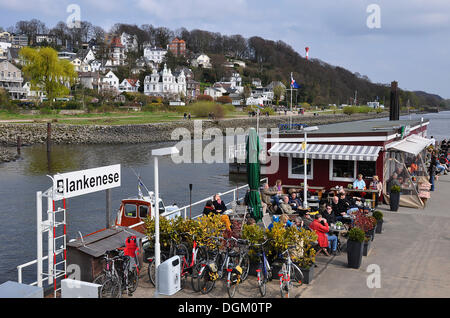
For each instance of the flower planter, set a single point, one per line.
(379, 228)
(371, 234)
(366, 248)
(308, 274)
(354, 253)
(394, 200)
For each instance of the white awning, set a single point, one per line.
(321, 151)
(413, 144)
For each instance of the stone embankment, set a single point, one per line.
(36, 133)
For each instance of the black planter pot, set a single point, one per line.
(379, 228)
(371, 233)
(354, 253)
(366, 248)
(394, 200)
(308, 274)
(276, 268)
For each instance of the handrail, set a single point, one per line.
(209, 198)
(20, 267)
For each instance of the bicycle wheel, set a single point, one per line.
(297, 275)
(133, 279)
(261, 282)
(202, 255)
(151, 269)
(195, 277)
(245, 265)
(111, 288)
(284, 282)
(207, 280)
(100, 279)
(232, 283)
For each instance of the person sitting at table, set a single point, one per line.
(376, 185)
(283, 219)
(321, 227)
(329, 215)
(270, 196)
(219, 205)
(359, 183)
(285, 207)
(295, 202)
(210, 210)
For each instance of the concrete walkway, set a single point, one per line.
(412, 254)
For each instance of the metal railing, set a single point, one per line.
(234, 193)
(189, 207)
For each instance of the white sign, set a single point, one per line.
(77, 183)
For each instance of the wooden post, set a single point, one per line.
(19, 144)
(49, 136)
(108, 208)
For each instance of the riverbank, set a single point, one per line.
(7, 154)
(36, 133)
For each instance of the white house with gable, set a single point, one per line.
(110, 79)
(165, 83)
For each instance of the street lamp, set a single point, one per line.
(305, 164)
(159, 153)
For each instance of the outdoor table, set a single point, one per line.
(319, 190)
(374, 192)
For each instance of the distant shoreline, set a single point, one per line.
(36, 133)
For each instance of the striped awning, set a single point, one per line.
(321, 151)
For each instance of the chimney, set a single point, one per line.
(394, 109)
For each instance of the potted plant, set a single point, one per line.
(255, 235)
(365, 223)
(306, 261)
(378, 215)
(355, 245)
(367, 245)
(373, 221)
(394, 197)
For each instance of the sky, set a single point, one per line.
(403, 40)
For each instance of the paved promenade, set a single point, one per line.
(413, 255)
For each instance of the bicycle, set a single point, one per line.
(109, 279)
(264, 271)
(238, 268)
(288, 270)
(208, 272)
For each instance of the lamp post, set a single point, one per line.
(305, 164)
(159, 153)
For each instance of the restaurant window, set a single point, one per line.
(297, 168)
(130, 210)
(342, 170)
(366, 168)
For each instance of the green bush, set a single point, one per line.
(348, 110)
(396, 189)
(356, 234)
(203, 109)
(46, 111)
(378, 215)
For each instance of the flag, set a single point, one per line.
(294, 83)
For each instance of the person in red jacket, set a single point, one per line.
(130, 250)
(320, 226)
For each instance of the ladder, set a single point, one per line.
(56, 228)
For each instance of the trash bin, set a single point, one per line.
(169, 279)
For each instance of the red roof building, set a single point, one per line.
(177, 47)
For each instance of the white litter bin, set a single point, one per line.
(169, 279)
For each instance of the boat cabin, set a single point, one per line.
(136, 210)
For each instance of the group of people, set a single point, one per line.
(217, 206)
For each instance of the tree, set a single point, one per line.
(47, 72)
(278, 91)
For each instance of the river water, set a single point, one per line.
(20, 180)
